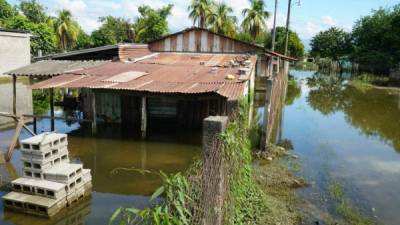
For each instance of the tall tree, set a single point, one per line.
(254, 21)
(152, 23)
(6, 10)
(221, 21)
(296, 46)
(33, 10)
(200, 10)
(66, 29)
(376, 39)
(333, 43)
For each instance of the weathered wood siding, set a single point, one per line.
(198, 40)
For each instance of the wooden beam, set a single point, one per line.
(143, 126)
(52, 108)
(14, 140)
(14, 94)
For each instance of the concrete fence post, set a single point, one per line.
(267, 113)
(213, 181)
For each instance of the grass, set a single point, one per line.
(343, 206)
(278, 183)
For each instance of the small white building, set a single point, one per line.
(15, 50)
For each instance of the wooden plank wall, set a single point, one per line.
(200, 41)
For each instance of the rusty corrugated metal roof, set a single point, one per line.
(180, 73)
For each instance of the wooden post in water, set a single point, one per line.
(94, 114)
(143, 126)
(52, 108)
(14, 94)
(34, 125)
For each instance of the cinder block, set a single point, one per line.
(64, 172)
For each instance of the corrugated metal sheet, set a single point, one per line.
(53, 67)
(197, 39)
(202, 40)
(165, 73)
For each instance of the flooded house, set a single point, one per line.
(176, 80)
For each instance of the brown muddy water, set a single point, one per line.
(105, 154)
(344, 135)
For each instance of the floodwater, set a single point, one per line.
(117, 160)
(344, 135)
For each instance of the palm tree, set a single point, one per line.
(221, 22)
(254, 18)
(66, 29)
(200, 11)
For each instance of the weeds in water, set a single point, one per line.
(343, 206)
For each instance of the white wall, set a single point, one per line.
(14, 51)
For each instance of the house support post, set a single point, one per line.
(52, 109)
(143, 126)
(14, 94)
(34, 125)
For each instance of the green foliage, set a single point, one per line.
(246, 37)
(66, 30)
(34, 11)
(41, 101)
(103, 37)
(152, 23)
(221, 21)
(6, 11)
(83, 41)
(377, 39)
(334, 43)
(295, 45)
(200, 12)
(43, 36)
(254, 21)
(179, 195)
(112, 31)
(246, 202)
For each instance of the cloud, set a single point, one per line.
(328, 21)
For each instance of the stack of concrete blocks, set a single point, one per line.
(50, 182)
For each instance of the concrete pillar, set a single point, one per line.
(213, 179)
(14, 95)
(52, 108)
(143, 125)
(267, 109)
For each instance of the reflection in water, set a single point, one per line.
(374, 112)
(347, 134)
(75, 215)
(114, 148)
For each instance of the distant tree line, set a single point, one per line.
(63, 32)
(373, 44)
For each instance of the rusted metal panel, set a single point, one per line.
(192, 41)
(210, 42)
(198, 41)
(173, 43)
(167, 44)
(179, 43)
(204, 41)
(186, 42)
(216, 44)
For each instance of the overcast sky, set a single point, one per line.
(308, 19)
